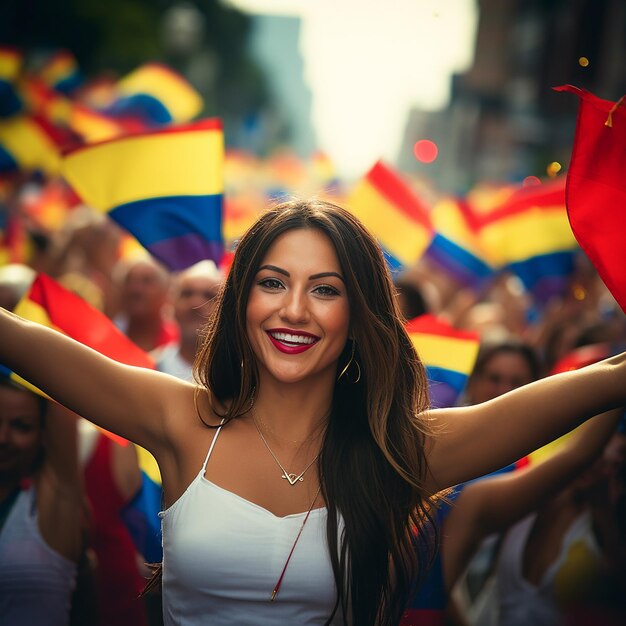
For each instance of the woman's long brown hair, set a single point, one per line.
(372, 465)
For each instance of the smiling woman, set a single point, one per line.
(301, 469)
(298, 305)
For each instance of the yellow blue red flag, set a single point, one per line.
(157, 95)
(455, 247)
(448, 354)
(61, 72)
(394, 214)
(165, 187)
(530, 235)
(29, 143)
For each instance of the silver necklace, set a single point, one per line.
(289, 476)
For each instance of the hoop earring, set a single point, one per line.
(348, 364)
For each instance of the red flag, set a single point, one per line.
(581, 357)
(50, 304)
(596, 191)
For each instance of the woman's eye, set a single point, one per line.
(270, 283)
(22, 427)
(326, 290)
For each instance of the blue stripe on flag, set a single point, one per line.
(458, 261)
(141, 105)
(7, 162)
(157, 219)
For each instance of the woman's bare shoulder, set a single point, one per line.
(191, 409)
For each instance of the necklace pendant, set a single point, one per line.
(293, 478)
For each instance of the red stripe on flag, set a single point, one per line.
(82, 322)
(548, 197)
(390, 185)
(430, 325)
(206, 124)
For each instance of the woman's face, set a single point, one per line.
(503, 372)
(298, 315)
(20, 432)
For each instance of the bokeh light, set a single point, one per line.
(579, 292)
(583, 61)
(531, 181)
(425, 150)
(553, 169)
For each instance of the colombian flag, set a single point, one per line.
(456, 247)
(29, 143)
(448, 354)
(165, 187)
(529, 234)
(10, 67)
(61, 72)
(90, 125)
(53, 306)
(157, 95)
(394, 214)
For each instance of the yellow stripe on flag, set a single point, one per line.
(178, 96)
(399, 235)
(186, 176)
(450, 222)
(448, 353)
(10, 64)
(34, 312)
(148, 464)
(29, 145)
(530, 234)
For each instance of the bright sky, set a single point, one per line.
(367, 62)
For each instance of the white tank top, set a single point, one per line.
(36, 582)
(521, 602)
(223, 554)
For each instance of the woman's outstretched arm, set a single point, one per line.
(493, 504)
(475, 440)
(129, 401)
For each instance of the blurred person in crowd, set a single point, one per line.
(306, 359)
(501, 366)
(112, 479)
(563, 552)
(144, 315)
(41, 509)
(85, 253)
(495, 504)
(496, 311)
(195, 292)
(410, 295)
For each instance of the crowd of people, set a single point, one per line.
(305, 478)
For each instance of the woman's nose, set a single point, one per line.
(295, 307)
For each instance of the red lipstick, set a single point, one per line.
(291, 348)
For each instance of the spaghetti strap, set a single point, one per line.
(208, 454)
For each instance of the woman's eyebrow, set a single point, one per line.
(280, 270)
(326, 274)
(273, 268)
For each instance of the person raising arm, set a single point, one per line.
(309, 419)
